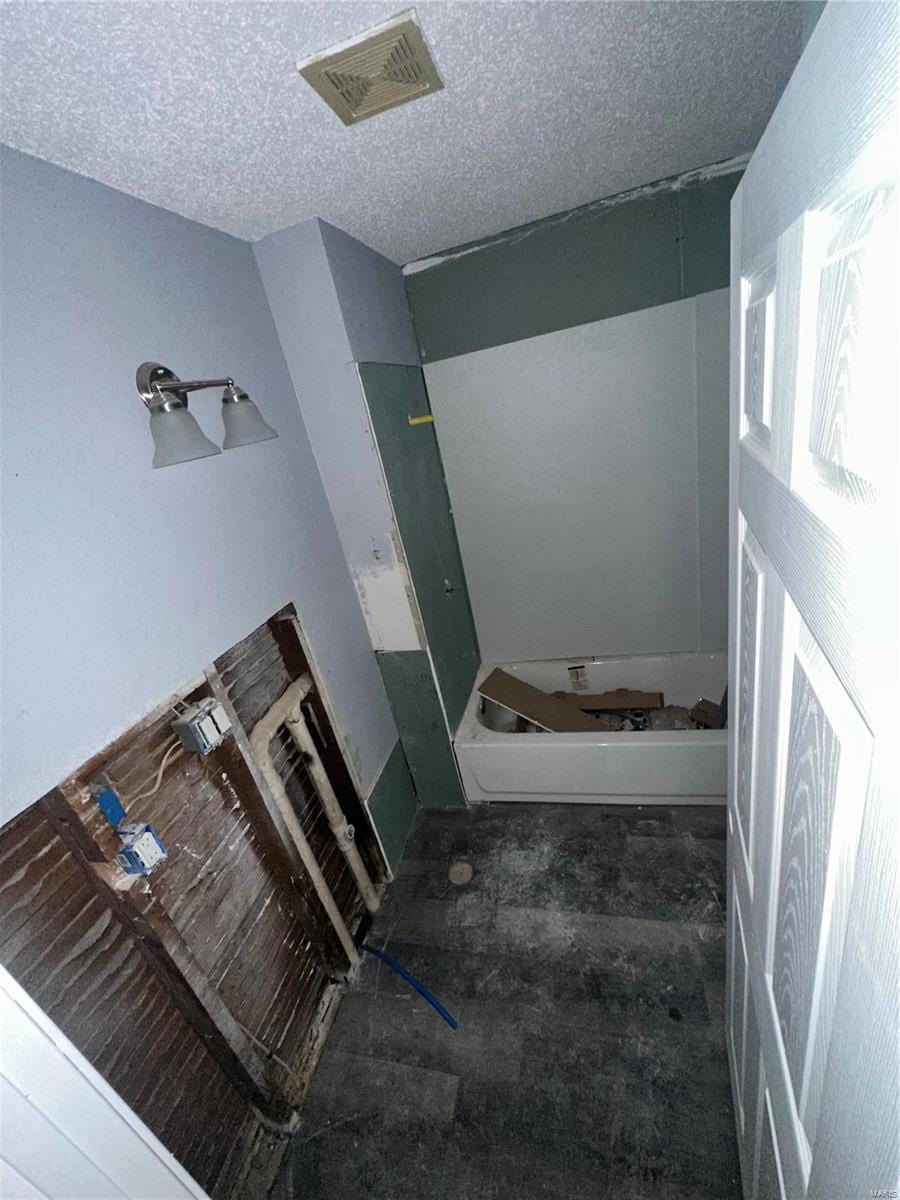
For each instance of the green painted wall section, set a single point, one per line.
(812, 10)
(415, 480)
(669, 241)
(392, 806)
(423, 734)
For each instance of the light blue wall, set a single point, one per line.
(372, 297)
(120, 582)
(303, 297)
(336, 302)
(308, 313)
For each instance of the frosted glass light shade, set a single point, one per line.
(178, 438)
(244, 424)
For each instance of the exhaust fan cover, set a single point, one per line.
(377, 70)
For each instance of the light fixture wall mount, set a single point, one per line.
(161, 388)
(176, 435)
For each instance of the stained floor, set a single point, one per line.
(585, 962)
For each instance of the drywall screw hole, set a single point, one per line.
(460, 873)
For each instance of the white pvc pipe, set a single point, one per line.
(343, 833)
(260, 742)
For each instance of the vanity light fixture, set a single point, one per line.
(176, 435)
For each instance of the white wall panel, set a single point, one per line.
(572, 466)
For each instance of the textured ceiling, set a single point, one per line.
(198, 107)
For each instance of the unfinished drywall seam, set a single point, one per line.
(673, 183)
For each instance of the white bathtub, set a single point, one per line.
(651, 767)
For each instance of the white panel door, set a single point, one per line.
(64, 1133)
(814, 909)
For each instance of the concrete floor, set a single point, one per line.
(585, 962)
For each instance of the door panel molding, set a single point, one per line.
(814, 897)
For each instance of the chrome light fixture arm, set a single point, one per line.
(161, 388)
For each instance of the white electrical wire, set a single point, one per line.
(157, 783)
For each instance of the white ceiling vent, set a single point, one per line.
(377, 70)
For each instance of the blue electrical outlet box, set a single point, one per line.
(109, 803)
(142, 848)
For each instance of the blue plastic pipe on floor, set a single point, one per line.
(413, 982)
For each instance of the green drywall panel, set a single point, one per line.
(595, 262)
(706, 234)
(415, 480)
(392, 806)
(812, 10)
(548, 276)
(420, 722)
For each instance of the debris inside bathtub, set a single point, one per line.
(541, 708)
(672, 716)
(635, 719)
(632, 709)
(510, 705)
(620, 700)
(709, 715)
(706, 714)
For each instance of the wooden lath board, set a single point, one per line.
(204, 992)
(217, 869)
(161, 942)
(73, 955)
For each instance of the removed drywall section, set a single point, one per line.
(655, 244)
(392, 807)
(117, 579)
(303, 298)
(372, 297)
(203, 994)
(571, 462)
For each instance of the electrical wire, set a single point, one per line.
(412, 981)
(157, 783)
